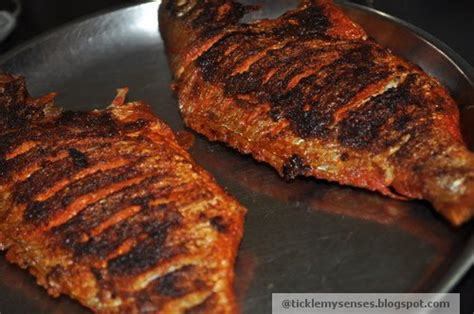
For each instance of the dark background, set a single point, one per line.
(450, 21)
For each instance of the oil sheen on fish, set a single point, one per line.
(106, 207)
(310, 94)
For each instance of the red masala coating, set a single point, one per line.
(311, 95)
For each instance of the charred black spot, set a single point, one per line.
(310, 22)
(311, 123)
(100, 124)
(219, 224)
(243, 83)
(401, 122)
(147, 252)
(362, 127)
(79, 158)
(142, 200)
(136, 125)
(3, 167)
(344, 156)
(167, 287)
(103, 245)
(294, 167)
(171, 285)
(36, 211)
(97, 274)
(56, 274)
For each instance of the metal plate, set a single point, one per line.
(302, 236)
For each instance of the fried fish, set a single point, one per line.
(310, 94)
(107, 208)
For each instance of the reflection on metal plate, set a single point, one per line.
(300, 236)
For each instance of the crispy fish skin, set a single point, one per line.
(106, 207)
(311, 95)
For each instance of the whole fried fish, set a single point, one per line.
(311, 95)
(106, 207)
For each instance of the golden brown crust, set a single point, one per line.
(106, 207)
(311, 95)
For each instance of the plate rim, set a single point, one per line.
(456, 60)
(464, 261)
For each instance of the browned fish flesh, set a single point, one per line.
(106, 207)
(310, 94)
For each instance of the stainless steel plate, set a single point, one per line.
(303, 236)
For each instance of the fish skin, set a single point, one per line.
(105, 207)
(310, 94)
